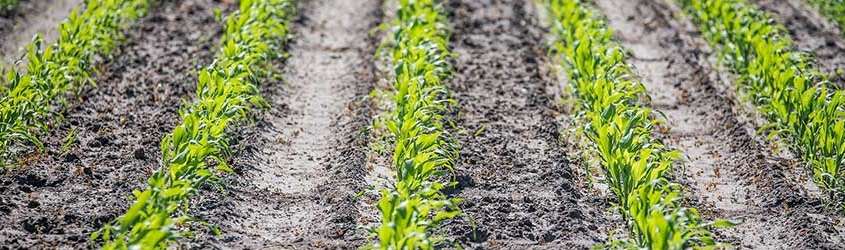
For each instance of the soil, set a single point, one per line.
(300, 164)
(811, 32)
(729, 172)
(517, 184)
(304, 160)
(30, 17)
(58, 198)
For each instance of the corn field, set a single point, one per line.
(422, 124)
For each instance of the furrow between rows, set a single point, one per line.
(302, 164)
(517, 181)
(63, 195)
(433, 124)
(198, 150)
(613, 103)
(730, 173)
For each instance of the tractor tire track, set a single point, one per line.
(729, 173)
(304, 162)
(812, 33)
(31, 17)
(56, 199)
(517, 183)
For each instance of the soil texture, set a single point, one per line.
(516, 182)
(729, 172)
(31, 17)
(300, 165)
(58, 198)
(303, 163)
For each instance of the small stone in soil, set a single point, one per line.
(139, 154)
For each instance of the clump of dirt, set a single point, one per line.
(516, 181)
(57, 198)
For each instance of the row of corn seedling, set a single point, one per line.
(834, 10)
(798, 101)
(618, 125)
(226, 93)
(414, 206)
(28, 97)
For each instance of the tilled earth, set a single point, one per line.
(58, 198)
(729, 171)
(301, 164)
(516, 181)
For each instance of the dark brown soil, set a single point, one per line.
(58, 198)
(730, 172)
(812, 33)
(303, 162)
(300, 165)
(18, 27)
(517, 183)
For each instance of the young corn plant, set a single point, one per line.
(834, 10)
(620, 129)
(413, 208)
(798, 101)
(53, 71)
(199, 146)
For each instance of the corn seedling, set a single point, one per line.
(423, 150)
(68, 141)
(199, 146)
(620, 129)
(796, 99)
(54, 70)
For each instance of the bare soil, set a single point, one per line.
(730, 173)
(303, 162)
(517, 183)
(29, 18)
(300, 164)
(58, 198)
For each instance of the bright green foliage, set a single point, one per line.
(52, 71)
(620, 129)
(833, 10)
(798, 101)
(423, 148)
(225, 94)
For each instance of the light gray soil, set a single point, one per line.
(304, 162)
(812, 33)
(729, 173)
(29, 18)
